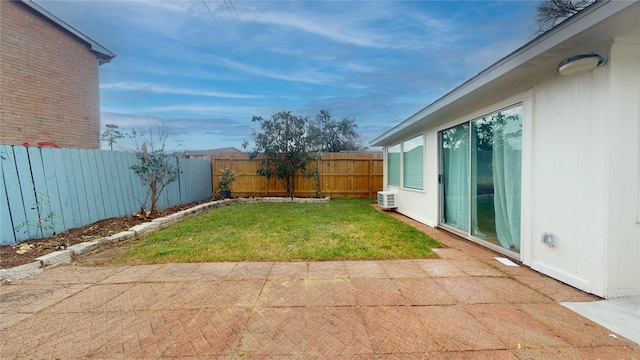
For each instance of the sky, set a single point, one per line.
(205, 68)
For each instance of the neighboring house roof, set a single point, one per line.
(103, 55)
(585, 32)
(206, 152)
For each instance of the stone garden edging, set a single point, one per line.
(139, 231)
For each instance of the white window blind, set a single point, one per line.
(393, 165)
(413, 163)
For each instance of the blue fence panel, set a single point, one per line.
(73, 187)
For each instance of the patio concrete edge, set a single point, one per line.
(140, 231)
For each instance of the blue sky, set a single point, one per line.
(204, 68)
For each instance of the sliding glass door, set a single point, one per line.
(481, 164)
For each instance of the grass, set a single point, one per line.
(343, 229)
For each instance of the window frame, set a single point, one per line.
(413, 182)
(399, 165)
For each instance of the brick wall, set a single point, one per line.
(48, 82)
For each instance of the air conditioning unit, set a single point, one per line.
(388, 199)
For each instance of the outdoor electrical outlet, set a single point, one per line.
(548, 239)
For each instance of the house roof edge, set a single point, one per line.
(102, 53)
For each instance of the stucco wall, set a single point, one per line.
(569, 177)
(49, 80)
(623, 217)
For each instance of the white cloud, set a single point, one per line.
(202, 109)
(161, 89)
(310, 76)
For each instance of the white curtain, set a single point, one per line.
(507, 175)
(456, 176)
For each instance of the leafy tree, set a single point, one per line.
(331, 135)
(549, 13)
(284, 143)
(155, 168)
(111, 135)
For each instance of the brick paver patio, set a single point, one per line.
(464, 305)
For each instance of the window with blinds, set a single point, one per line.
(413, 163)
(393, 165)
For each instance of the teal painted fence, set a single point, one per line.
(46, 190)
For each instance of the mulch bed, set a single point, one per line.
(9, 257)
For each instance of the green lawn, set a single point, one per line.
(343, 229)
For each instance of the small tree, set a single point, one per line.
(111, 135)
(329, 135)
(549, 13)
(283, 142)
(155, 168)
(227, 177)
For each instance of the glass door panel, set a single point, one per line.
(455, 176)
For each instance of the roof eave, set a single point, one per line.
(102, 54)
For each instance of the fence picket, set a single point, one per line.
(65, 164)
(57, 192)
(7, 167)
(126, 183)
(27, 190)
(108, 185)
(89, 186)
(46, 203)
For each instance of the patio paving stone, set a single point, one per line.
(467, 290)
(477, 268)
(32, 298)
(377, 292)
(453, 328)
(129, 274)
(514, 327)
(397, 329)
(423, 291)
(331, 292)
(402, 269)
(284, 293)
(250, 270)
(327, 270)
(365, 270)
(171, 272)
(440, 268)
(288, 271)
(511, 291)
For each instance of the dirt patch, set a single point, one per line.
(10, 255)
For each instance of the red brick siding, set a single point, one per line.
(48, 82)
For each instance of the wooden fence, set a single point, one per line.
(341, 175)
(45, 190)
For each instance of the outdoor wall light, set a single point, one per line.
(580, 64)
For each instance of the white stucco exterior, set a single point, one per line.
(580, 148)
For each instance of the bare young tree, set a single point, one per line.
(550, 13)
(155, 167)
